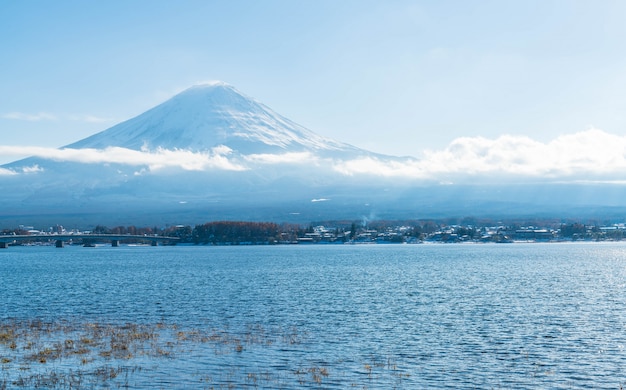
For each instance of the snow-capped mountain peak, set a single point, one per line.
(209, 115)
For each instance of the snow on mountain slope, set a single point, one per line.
(210, 115)
(209, 150)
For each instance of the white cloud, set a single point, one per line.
(154, 160)
(32, 169)
(588, 154)
(41, 116)
(6, 172)
(378, 167)
(45, 116)
(290, 158)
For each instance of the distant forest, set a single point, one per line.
(219, 232)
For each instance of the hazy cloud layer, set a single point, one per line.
(592, 153)
(217, 158)
(290, 158)
(588, 155)
(45, 116)
(20, 116)
(6, 172)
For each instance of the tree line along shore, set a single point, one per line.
(379, 231)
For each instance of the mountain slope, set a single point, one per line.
(206, 116)
(135, 172)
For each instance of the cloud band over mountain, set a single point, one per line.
(587, 155)
(581, 155)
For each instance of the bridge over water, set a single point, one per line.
(61, 239)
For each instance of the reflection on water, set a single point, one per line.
(406, 316)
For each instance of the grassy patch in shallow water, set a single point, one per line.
(65, 354)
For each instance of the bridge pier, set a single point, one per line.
(115, 243)
(59, 244)
(154, 243)
(4, 245)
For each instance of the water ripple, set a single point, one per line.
(406, 316)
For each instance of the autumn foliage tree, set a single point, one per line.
(235, 233)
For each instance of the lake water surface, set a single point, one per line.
(335, 316)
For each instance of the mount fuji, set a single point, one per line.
(211, 115)
(213, 153)
(209, 152)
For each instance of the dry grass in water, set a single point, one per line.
(69, 355)
(62, 355)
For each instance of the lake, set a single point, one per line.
(319, 316)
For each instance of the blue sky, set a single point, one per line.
(395, 77)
